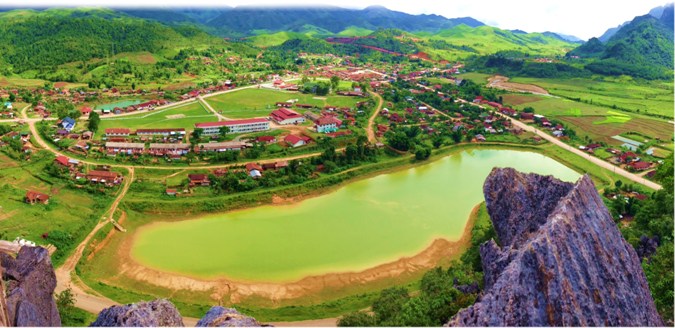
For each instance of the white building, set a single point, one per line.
(236, 126)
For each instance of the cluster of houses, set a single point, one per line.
(227, 85)
(326, 122)
(627, 159)
(171, 135)
(253, 170)
(101, 176)
(148, 105)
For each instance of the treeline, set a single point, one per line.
(518, 64)
(651, 234)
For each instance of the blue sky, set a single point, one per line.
(581, 18)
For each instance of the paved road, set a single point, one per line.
(590, 158)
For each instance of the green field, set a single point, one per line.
(479, 78)
(249, 103)
(596, 122)
(647, 97)
(182, 116)
(70, 211)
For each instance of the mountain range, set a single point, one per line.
(642, 47)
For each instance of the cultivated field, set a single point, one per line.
(596, 122)
(182, 116)
(652, 97)
(260, 102)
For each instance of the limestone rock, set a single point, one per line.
(561, 261)
(219, 316)
(158, 313)
(30, 283)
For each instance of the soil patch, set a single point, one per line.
(501, 82)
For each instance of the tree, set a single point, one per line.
(133, 85)
(389, 304)
(197, 133)
(357, 319)
(528, 110)
(334, 82)
(94, 120)
(422, 153)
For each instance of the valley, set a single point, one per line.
(306, 166)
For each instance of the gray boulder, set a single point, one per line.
(219, 316)
(158, 313)
(560, 261)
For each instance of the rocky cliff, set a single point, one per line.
(30, 283)
(560, 261)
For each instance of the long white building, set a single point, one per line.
(236, 126)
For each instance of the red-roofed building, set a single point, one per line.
(199, 180)
(296, 141)
(327, 124)
(526, 116)
(61, 160)
(117, 132)
(105, 177)
(85, 110)
(266, 139)
(33, 197)
(285, 116)
(640, 166)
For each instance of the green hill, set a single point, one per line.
(355, 31)
(487, 39)
(642, 48)
(37, 40)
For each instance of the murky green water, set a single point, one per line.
(363, 224)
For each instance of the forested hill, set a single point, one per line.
(643, 48)
(33, 40)
(245, 20)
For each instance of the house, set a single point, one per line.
(557, 133)
(117, 132)
(235, 126)
(105, 177)
(285, 116)
(628, 156)
(526, 116)
(284, 104)
(254, 170)
(199, 180)
(480, 137)
(124, 147)
(275, 165)
(61, 160)
(85, 110)
(296, 141)
(171, 192)
(8, 105)
(640, 166)
(327, 124)
(266, 139)
(178, 132)
(33, 197)
(170, 149)
(68, 124)
(87, 135)
(221, 146)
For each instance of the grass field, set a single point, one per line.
(249, 103)
(182, 116)
(651, 97)
(70, 211)
(479, 78)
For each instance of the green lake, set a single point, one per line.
(361, 225)
(120, 104)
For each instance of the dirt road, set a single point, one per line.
(371, 121)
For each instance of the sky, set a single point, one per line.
(581, 18)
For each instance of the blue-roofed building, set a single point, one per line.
(68, 123)
(8, 105)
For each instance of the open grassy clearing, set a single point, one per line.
(653, 97)
(182, 116)
(71, 211)
(249, 103)
(479, 78)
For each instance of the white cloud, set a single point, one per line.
(582, 18)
